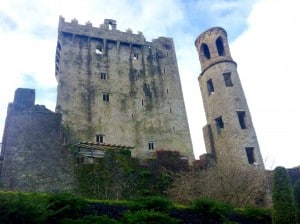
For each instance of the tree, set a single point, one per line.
(297, 200)
(229, 183)
(282, 197)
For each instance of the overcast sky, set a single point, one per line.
(264, 39)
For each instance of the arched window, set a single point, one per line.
(205, 51)
(220, 46)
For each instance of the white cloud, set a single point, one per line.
(267, 57)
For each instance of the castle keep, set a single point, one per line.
(229, 134)
(117, 88)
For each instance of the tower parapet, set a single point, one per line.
(107, 30)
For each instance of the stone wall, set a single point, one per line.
(118, 85)
(34, 158)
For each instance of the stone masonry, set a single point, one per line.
(115, 87)
(34, 158)
(229, 134)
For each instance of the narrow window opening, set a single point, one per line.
(210, 87)
(219, 124)
(205, 51)
(99, 50)
(142, 102)
(99, 138)
(250, 155)
(227, 79)
(103, 75)
(220, 46)
(106, 97)
(164, 70)
(170, 110)
(135, 56)
(167, 91)
(151, 145)
(110, 26)
(241, 116)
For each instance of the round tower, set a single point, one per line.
(229, 134)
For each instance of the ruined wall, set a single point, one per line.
(34, 158)
(118, 85)
(230, 133)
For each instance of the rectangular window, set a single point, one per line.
(103, 75)
(219, 124)
(250, 155)
(135, 56)
(151, 145)
(106, 97)
(99, 50)
(241, 116)
(99, 138)
(227, 79)
(210, 87)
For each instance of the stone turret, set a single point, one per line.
(229, 134)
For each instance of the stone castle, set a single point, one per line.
(115, 89)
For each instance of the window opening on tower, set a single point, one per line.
(250, 155)
(210, 87)
(99, 50)
(151, 145)
(205, 51)
(227, 79)
(105, 97)
(219, 124)
(100, 138)
(220, 46)
(241, 116)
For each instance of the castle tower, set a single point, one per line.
(117, 88)
(229, 134)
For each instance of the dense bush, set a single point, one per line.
(297, 200)
(282, 197)
(90, 220)
(211, 208)
(256, 215)
(154, 203)
(148, 217)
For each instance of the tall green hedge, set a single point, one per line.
(283, 198)
(297, 200)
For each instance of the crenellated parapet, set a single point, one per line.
(107, 30)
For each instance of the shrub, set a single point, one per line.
(297, 200)
(282, 196)
(211, 208)
(91, 219)
(148, 217)
(155, 203)
(256, 215)
(16, 207)
(66, 205)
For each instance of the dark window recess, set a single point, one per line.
(219, 124)
(99, 50)
(250, 155)
(151, 145)
(105, 97)
(205, 51)
(227, 79)
(220, 46)
(241, 116)
(103, 75)
(142, 102)
(99, 138)
(210, 87)
(135, 56)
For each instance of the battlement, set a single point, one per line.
(107, 30)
